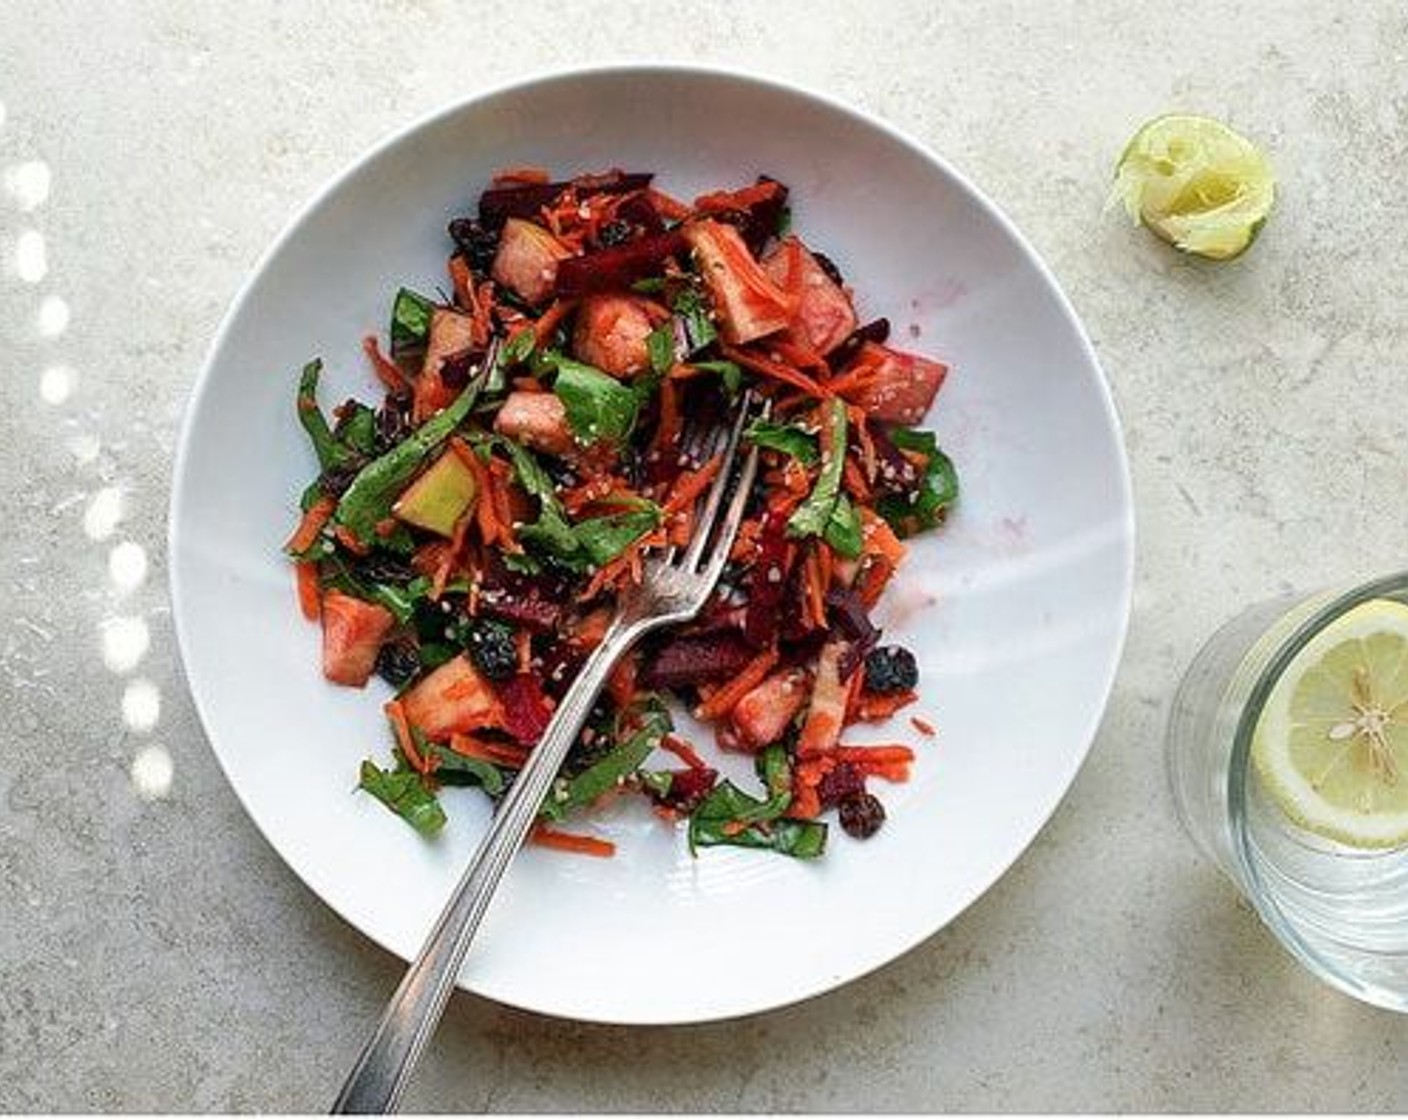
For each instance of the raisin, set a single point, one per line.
(840, 784)
(382, 568)
(492, 648)
(397, 663)
(478, 245)
(862, 815)
(890, 669)
(828, 266)
(393, 423)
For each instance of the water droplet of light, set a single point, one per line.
(151, 772)
(31, 257)
(56, 384)
(103, 513)
(125, 642)
(127, 565)
(28, 183)
(141, 705)
(53, 317)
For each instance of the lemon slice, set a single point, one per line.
(1197, 184)
(1331, 744)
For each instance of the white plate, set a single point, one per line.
(1017, 609)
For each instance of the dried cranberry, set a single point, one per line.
(862, 815)
(839, 784)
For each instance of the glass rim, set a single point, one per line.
(1339, 603)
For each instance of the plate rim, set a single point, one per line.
(767, 84)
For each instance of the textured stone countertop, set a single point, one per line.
(156, 954)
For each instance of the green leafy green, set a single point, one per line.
(411, 313)
(660, 345)
(730, 373)
(843, 530)
(329, 452)
(937, 492)
(551, 533)
(403, 791)
(518, 349)
(377, 485)
(612, 768)
(454, 769)
(598, 406)
(728, 816)
(790, 439)
(696, 314)
(812, 516)
(604, 538)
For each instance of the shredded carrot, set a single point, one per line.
(490, 531)
(628, 562)
(387, 371)
(310, 592)
(824, 564)
(523, 645)
(890, 771)
(880, 754)
(858, 419)
(500, 471)
(667, 430)
(923, 726)
(350, 541)
(778, 371)
(873, 708)
(549, 320)
(447, 564)
(813, 589)
(744, 198)
(798, 354)
(806, 804)
(854, 479)
(621, 684)
(691, 484)
(385, 527)
(729, 694)
(592, 629)
(396, 713)
(311, 524)
(683, 751)
(571, 842)
(500, 754)
(462, 280)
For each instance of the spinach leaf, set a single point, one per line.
(730, 373)
(790, 439)
(696, 315)
(403, 792)
(551, 533)
(454, 769)
(843, 530)
(598, 406)
(660, 345)
(811, 517)
(611, 769)
(312, 418)
(716, 822)
(927, 506)
(605, 538)
(410, 322)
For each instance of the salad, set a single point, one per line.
(545, 424)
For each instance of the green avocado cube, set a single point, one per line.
(439, 496)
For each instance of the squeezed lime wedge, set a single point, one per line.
(1331, 744)
(1197, 184)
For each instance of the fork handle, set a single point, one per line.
(390, 1055)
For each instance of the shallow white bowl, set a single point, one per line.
(1017, 609)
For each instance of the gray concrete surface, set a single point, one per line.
(154, 952)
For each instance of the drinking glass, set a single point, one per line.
(1342, 911)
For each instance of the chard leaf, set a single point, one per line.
(811, 517)
(410, 322)
(660, 345)
(605, 538)
(927, 506)
(403, 791)
(843, 530)
(453, 768)
(790, 439)
(598, 406)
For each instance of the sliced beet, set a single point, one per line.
(760, 220)
(692, 659)
(525, 708)
(894, 474)
(535, 602)
(847, 614)
(687, 789)
(767, 584)
(525, 200)
(617, 268)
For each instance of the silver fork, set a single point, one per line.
(672, 591)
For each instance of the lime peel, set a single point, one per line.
(1331, 743)
(1197, 184)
